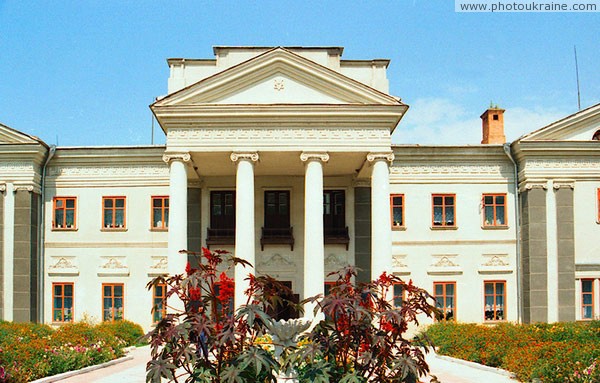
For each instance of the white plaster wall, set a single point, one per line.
(89, 249)
(587, 228)
(469, 247)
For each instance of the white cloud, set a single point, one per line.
(440, 121)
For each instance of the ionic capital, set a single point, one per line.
(385, 156)
(314, 156)
(28, 188)
(247, 156)
(2, 187)
(563, 185)
(176, 156)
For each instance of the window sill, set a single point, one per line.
(64, 229)
(444, 227)
(498, 227)
(159, 229)
(113, 229)
(398, 228)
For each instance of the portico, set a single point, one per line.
(276, 156)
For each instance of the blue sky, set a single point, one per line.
(84, 72)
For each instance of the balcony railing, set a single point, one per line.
(277, 236)
(336, 235)
(220, 237)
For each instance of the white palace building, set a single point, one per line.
(284, 157)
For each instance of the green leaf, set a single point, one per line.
(157, 369)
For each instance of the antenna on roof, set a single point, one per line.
(152, 137)
(577, 75)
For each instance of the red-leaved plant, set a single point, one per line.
(361, 338)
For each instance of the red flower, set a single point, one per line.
(226, 288)
(195, 293)
(188, 268)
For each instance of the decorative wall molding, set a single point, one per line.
(334, 262)
(567, 163)
(448, 169)
(28, 188)
(445, 264)
(176, 156)
(529, 185)
(398, 261)
(16, 167)
(224, 136)
(278, 85)
(159, 266)
(62, 266)
(314, 156)
(113, 266)
(109, 171)
(495, 264)
(277, 262)
(247, 156)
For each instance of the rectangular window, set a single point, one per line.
(160, 212)
(445, 299)
(64, 217)
(277, 209)
(397, 206)
(587, 299)
(112, 301)
(494, 210)
(334, 217)
(398, 295)
(277, 229)
(494, 300)
(222, 209)
(62, 302)
(443, 206)
(159, 302)
(113, 212)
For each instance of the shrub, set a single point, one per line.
(131, 333)
(554, 353)
(360, 338)
(31, 351)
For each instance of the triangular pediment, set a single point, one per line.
(277, 77)
(580, 126)
(11, 136)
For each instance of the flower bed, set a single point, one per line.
(31, 351)
(553, 353)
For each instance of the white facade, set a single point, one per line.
(294, 143)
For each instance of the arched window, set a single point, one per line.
(596, 136)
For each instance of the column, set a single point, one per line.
(314, 248)
(244, 222)
(177, 211)
(8, 250)
(381, 226)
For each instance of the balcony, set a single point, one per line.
(336, 236)
(220, 237)
(277, 236)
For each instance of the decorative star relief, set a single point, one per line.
(278, 85)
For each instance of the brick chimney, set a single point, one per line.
(492, 123)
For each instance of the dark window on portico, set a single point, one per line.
(277, 229)
(334, 217)
(222, 218)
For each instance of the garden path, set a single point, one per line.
(133, 371)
